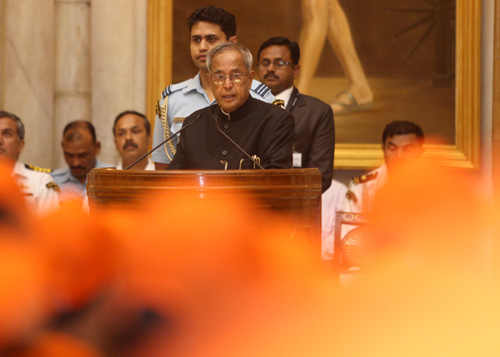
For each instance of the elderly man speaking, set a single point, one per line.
(239, 132)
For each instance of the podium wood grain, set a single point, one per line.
(295, 194)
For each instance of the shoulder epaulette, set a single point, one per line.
(174, 88)
(365, 178)
(262, 90)
(38, 169)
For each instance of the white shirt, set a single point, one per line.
(149, 167)
(285, 95)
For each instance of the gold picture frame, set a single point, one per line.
(464, 153)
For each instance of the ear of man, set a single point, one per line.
(296, 71)
(21, 145)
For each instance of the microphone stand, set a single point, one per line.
(163, 142)
(239, 147)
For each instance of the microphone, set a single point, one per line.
(234, 143)
(163, 142)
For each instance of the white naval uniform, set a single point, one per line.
(362, 189)
(332, 200)
(38, 187)
(181, 100)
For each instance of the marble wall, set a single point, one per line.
(62, 60)
(72, 98)
(2, 43)
(118, 57)
(28, 81)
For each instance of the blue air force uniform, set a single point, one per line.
(180, 100)
(70, 186)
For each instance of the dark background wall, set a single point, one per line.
(374, 24)
(401, 66)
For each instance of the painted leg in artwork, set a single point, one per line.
(339, 35)
(325, 18)
(312, 39)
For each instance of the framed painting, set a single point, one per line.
(421, 59)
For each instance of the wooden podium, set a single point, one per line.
(293, 194)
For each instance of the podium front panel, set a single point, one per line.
(294, 194)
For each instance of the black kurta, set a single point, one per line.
(260, 128)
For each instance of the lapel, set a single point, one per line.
(297, 109)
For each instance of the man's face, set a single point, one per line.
(10, 144)
(80, 154)
(204, 37)
(230, 95)
(277, 79)
(131, 137)
(401, 148)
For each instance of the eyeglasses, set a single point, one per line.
(219, 78)
(277, 63)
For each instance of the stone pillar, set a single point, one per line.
(2, 51)
(27, 73)
(119, 39)
(72, 79)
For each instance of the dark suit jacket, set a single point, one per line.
(314, 133)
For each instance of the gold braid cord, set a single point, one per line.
(166, 127)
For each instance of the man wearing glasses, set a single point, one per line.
(278, 66)
(240, 132)
(209, 26)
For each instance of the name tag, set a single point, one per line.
(297, 159)
(179, 120)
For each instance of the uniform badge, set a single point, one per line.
(53, 186)
(351, 196)
(280, 103)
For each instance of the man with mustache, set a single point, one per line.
(209, 27)
(278, 66)
(80, 148)
(402, 143)
(40, 191)
(132, 133)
